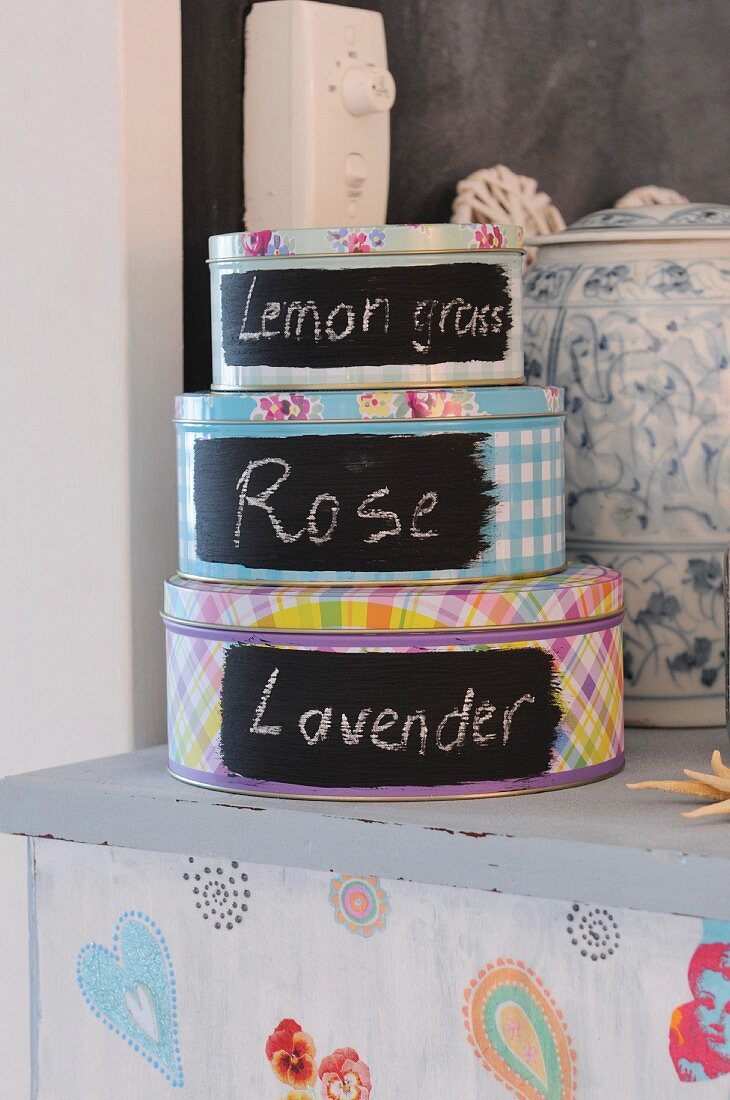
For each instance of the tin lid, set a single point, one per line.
(579, 594)
(686, 221)
(366, 239)
(497, 402)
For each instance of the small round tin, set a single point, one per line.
(366, 306)
(374, 486)
(394, 693)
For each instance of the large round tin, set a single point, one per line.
(391, 693)
(408, 486)
(366, 306)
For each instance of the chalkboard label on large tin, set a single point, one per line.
(366, 503)
(378, 719)
(336, 318)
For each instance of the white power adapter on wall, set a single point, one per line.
(317, 99)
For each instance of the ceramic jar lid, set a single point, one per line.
(580, 593)
(364, 240)
(687, 221)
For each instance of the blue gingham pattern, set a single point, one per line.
(529, 469)
(527, 535)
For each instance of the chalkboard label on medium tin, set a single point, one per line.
(378, 719)
(369, 503)
(337, 318)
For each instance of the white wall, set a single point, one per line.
(90, 350)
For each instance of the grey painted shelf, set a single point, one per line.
(599, 843)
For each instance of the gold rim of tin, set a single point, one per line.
(458, 383)
(383, 420)
(394, 797)
(481, 254)
(444, 581)
(350, 631)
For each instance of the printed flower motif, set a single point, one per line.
(552, 396)
(255, 244)
(357, 242)
(291, 1053)
(344, 1076)
(429, 403)
(280, 246)
(360, 904)
(338, 238)
(297, 1094)
(287, 406)
(488, 236)
(376, 403)
(377, 237)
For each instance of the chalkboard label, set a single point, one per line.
(367, 503)
(323, 317)
(388, 719)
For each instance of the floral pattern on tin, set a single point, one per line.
(416, 404)
(487, 236)
(552, 397)
(356, 240)
(428, 403)
(292, 1055)
(265, 242)
(279, 245)
(255, 244)
(374, 404)
(360, 904)
(287, 406)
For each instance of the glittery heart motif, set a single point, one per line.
(132, 989)
(516, 1029)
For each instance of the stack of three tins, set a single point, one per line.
(373, 600)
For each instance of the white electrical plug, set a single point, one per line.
(317, 99)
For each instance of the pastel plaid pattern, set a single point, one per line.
(591, 691)
(527, 536)
(580, 592)
(194, 677)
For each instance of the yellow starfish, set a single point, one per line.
(715, 787)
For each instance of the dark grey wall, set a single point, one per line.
(590, 97)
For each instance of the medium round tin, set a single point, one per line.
(396, 693)
(373, 486)
(366, 306)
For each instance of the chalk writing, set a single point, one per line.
(325, 317)
(364, 502)
(372, 718)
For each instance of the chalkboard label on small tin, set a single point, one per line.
(333, 719)
(326, 317)
(369, 503)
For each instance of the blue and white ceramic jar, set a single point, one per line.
(629, 310)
